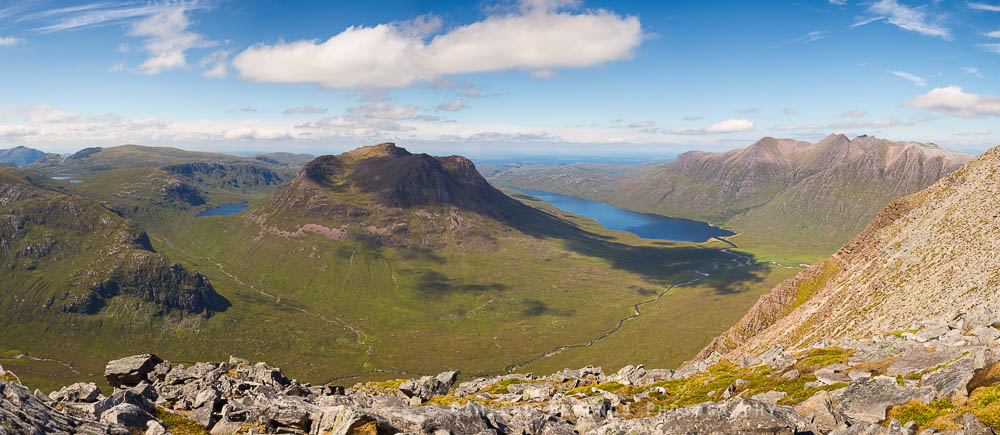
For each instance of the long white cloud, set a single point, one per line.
(954, 101)
(397, 54)
(913, 78)
(721, 127)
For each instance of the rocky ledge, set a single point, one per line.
(934, 378)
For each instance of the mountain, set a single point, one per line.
(776, 192)
(20, 156)
(388, 195)
(285, 159)
(97, 159)
(66, 254)
(926, 257)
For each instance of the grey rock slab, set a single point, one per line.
(952, 379)
(78, 392)
(770, 397)
(129, 371)
(867, 399)
(918, 361)
(819, 410)
(128, 415)
(972, 425)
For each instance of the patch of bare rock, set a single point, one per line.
(844, 387)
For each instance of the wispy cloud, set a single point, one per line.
(853, 114)
(973, 71)
(993, 34)
(984, 6)
(10, 41)
(993, 48)
(815, 35)
(100, 14)
(916, 19)
(452, 106)
(642, 124)
(167, 38)
(862, 21)
(913, 78)
(838, 2)
(307, 110)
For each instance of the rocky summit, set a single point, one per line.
(941, 376)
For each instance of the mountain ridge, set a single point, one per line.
(925, 256)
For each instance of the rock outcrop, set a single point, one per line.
(947, 373)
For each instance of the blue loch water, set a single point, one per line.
(645, 225)
(225, 209)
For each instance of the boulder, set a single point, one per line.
(429, 386)
(972, 425)
(131, 370)
(951, 380)
(629, 375)
(78, 392)
(154, 427)
(741, 416)
(818, 409)
(128, 415)
(867, 399)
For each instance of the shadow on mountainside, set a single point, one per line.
(654, 263)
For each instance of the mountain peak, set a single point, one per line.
(386, 149)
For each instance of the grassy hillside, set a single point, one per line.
(373, 307)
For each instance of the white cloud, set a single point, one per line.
(16, 131)
(838, 2)
(862, 21)
(118, 67)
(452, 106)
(915, 19)
(250, 133)
(168, 39)
(9, 41)
(995, 48)
(721, 127)
(952, 100)
(853, 114)
(216, 64)
(984, 6)
(538, 38)
(309, 110)
(993, 34)
(972, 71)
(43, 114)
(915, 79)
(100, 14)
(642, 124)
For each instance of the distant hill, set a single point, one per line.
(66, 254)
(285, 159)
(20, 156)
(925, 257)
(126, 156)
(783, 192)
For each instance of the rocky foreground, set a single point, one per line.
(936, 377)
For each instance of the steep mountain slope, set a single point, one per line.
(63, 253)
(387, 195)
(927, 256)
(20, 156)
(777, 191)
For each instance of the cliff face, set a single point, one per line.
(66, 253)
(930, 255)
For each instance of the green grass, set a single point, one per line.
(178, 424)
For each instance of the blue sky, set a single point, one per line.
(495, 78)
